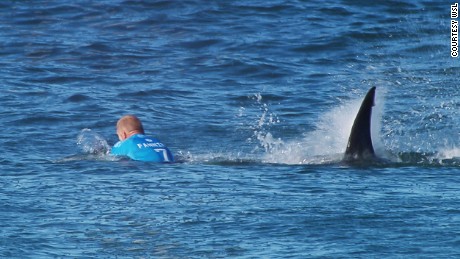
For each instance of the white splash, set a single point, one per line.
(328, 142)
(264, 122)
(448, 153)
(91, 142)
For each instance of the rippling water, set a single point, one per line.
(256, 100)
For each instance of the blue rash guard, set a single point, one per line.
(143, 148)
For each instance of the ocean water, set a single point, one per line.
(256, 100)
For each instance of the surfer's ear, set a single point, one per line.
(122, 135)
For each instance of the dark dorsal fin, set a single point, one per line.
(360, 142)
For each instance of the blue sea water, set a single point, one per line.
(256, 100)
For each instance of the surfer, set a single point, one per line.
(135, 145)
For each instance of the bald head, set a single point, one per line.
(129, 125)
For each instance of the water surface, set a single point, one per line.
(256, 100)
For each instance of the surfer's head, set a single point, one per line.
(129, 125)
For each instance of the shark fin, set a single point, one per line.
(359, 145)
